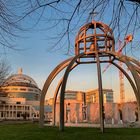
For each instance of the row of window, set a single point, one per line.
(15, 107)
(22, 89)
(28, 96)
(70, 96)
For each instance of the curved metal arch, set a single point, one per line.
(124, 59)
(61, 127)
(55, 96)
(49, 80)
(69, 63)
(62, 93)
(127, 60)
(137, 68)
(54, 100)
(135, 75)
(127, 76)
(127, 57)
(137, 81)
(60, 83)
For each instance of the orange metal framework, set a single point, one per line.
(93, 37)
(94, 44)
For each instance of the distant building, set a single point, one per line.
(20, 86)
(19, 98)
(78, 96)
(16, 109)
(92, 96)
(82, 107)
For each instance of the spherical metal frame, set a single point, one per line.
(96, 55)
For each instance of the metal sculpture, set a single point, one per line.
(94, 44)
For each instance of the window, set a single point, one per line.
(30, 89)
(14, 88)
(18, 102)
(26, 107)
(18, 115)
(93, 98)
(23, 89)
(3, 102)
(5, 89)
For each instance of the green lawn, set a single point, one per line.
(32, 132)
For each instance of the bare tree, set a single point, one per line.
(66, 16)
(8, 25)
(4, 71)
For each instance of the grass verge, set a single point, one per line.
(33, 132)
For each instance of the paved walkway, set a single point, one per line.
(129, 125)
(15, 122)
(93, 125)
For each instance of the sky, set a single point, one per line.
(37, 61)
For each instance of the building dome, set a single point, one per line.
(20, 80)
(20, 86)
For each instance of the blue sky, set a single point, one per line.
(38, 62)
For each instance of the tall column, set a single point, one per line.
(12, 111)
(100, 93)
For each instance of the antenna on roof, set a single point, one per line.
(93, 14)
(20, 71)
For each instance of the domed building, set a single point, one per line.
(19, 97)
(20, 86)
